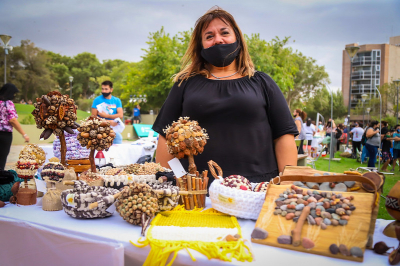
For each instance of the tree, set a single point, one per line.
(320, 102)
(27, 69)
(274, 59)
(295, 74)
(153, 75)
(84, 67)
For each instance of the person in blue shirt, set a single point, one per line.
(111, 109)
(396, 146)
(136, 114)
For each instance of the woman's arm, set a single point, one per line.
(285, 151)
(371, 132)
(15, 124)
(162, 154)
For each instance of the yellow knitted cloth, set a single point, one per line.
(204, 224)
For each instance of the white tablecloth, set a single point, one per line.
(123, 154)
(94, 240)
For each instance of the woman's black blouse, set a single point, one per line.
(242, 116)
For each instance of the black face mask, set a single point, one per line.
(105, 95)
(222, 54)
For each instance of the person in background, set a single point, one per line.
(309, 129)
(30, 102)
(356, 135)
(299, 117)
(373, 140)
(113, 107)
(22, 101)
(320, 126)
(329, 127)
(339, 136)
(136, 114)
(396, 147)
(8, 121)
(386, 146)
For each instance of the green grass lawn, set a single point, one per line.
(347, 163)
(24, 111)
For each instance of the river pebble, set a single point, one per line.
(307, 243)
(356, 252)
(334, 249)
(287, 240)
(259, 233)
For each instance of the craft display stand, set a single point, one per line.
(79, 165)
(355, 234)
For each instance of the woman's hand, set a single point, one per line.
(26, 137)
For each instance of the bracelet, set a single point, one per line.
(25, 135)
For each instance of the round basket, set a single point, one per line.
(240, 203)
(76, 201)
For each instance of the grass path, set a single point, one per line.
(346, 163)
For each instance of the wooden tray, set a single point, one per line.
(354, 234)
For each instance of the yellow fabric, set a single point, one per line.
(223, 250)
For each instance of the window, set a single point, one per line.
(377, 81)
(378, 68)
(378, 53)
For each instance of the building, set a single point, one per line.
(374, 65)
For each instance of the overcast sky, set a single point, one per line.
(118, 29)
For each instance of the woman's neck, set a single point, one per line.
(224, 71)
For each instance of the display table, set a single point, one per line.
(123, 154)
(31, 236)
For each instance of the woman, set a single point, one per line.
(8, 120)
(309, 129)
(373, 141)
(299, 117)
(244, 112)
(339, 136)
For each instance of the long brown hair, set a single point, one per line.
(302, 114)
(193, 63)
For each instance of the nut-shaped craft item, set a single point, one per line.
(33, 152)
(186, 138)
(144, 169)
(137, 204)
(237, 181)
(88, 136)
(55, 113)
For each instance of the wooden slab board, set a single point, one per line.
(355, 233)
(80, 161)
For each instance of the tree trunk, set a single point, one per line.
(92, 163)
(192, 167)
(63, 149)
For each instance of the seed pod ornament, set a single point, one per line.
(55, 113)
(185, 138)
(88, 136)
(137, 204)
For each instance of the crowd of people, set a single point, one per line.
(366, 141)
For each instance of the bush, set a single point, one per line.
(28, 120)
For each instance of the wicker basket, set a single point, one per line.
(76, 201)
(234, 201)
